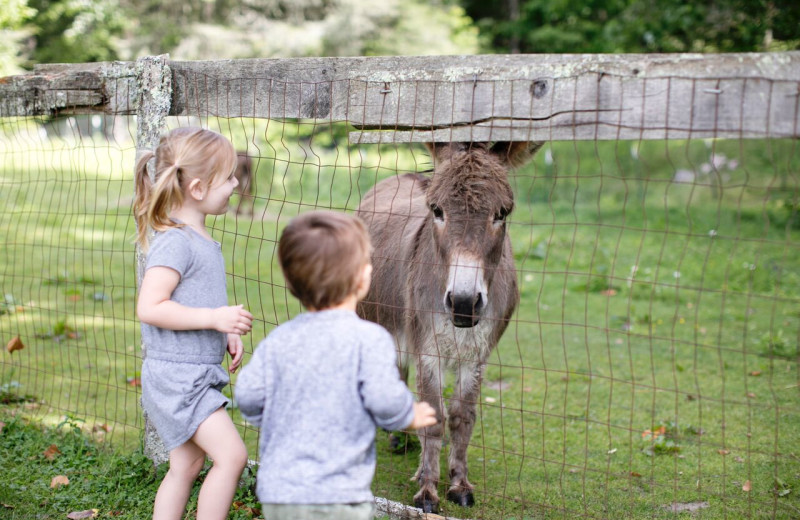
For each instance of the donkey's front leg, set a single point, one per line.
(429, 385)
(461, 414)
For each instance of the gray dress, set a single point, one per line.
(181, 375)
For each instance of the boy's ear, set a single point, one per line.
(365, 280)
(197, 189)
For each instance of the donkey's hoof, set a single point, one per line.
(427, 505)
(461, 497)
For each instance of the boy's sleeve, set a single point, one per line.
(250, 389)
(383, 393)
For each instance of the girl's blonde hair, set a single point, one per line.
(181, 156)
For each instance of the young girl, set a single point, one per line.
(186, 321)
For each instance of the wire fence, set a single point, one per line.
(651, 366)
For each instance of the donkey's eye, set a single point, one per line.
(437, 212)
(501, 215)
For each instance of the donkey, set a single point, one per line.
(244, 174)
(444, 285)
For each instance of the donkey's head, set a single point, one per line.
(469, 199)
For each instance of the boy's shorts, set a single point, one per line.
(362, 511)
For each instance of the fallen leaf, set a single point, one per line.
(77, 515)
(134, 381)
(490, 400)
(746, 486)
(101, 427)
(51, 452)
(241, 506)
(14, 344)
(635, 474)
(751, 395)
(74, 297)
(609, 292)
(723, 452)
(659, 431)
(7, 506)
(59, 480)
(611, 452)
(755, 373)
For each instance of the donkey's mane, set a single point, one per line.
(477, 178)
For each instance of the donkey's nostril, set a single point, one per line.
(448, 300)
(478, 303)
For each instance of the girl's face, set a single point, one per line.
(219, 193)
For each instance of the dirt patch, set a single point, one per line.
(691, 507)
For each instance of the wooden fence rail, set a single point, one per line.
(449, 98)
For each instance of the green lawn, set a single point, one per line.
(652, 361)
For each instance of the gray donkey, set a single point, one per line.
(444, 285)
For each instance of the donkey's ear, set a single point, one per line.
(516, 153)
(441, 152)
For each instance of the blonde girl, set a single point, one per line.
(187, 323)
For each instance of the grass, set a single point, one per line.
(653, 360)
(113, 483)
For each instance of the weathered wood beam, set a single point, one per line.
(443, 98)
(108, 88)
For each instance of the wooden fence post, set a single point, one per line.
(154, 92)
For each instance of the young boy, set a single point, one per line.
(319, 384)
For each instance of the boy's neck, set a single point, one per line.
(348, 304)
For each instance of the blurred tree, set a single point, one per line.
(573, 26)
(75, 31)
(13, 14)
(285, 28)
(84, 31)
(409, 27)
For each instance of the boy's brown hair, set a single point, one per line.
(322, 254)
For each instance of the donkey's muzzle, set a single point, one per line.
(464, 310)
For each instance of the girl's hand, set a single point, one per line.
(236, 350)
(424, 415)
(232, 320)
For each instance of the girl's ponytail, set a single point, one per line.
(141, 202)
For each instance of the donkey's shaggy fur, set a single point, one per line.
(444, 285)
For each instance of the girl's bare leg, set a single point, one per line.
(185, 463)
(218, 437)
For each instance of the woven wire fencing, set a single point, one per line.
(651, 366)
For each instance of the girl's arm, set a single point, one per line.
(155, 307)
(236, 350)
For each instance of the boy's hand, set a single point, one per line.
(236, 350)
(232, 320)
(424, 415)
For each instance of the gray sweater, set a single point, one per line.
(318, 386)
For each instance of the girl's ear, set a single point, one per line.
(197, 189)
